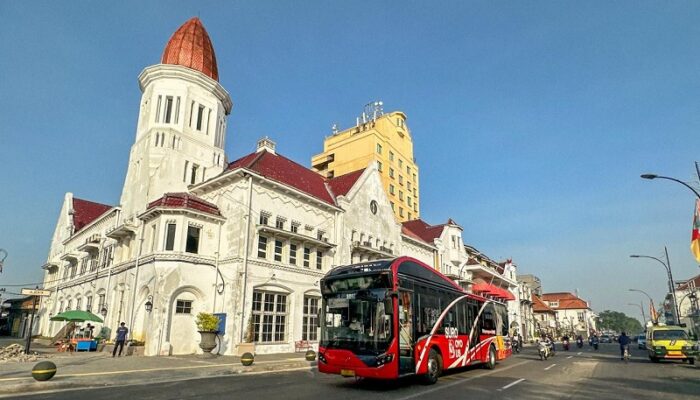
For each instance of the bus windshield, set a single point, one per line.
(357, 321)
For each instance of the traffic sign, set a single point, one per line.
(36, 292)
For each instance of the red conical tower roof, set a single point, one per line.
(191, 47)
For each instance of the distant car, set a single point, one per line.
(605, 339)
(642, 341)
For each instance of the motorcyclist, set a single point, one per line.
(550, 341)
(624, 341)
(565, 341)
(594, 341)
(579, 341)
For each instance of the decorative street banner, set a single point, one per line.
(695, 235)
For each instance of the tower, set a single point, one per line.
(380, 137)
(181, 129)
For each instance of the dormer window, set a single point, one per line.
(264, 217)
(279, 223)
(295, 226)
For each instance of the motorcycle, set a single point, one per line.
(595, 345)
(515, 344)
(566, 345)
(543, 350)
(579, 343)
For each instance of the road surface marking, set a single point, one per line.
(511, 384)
(569, 357)
(578, 354)
(471, 378)
(547, 369)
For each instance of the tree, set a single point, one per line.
(619, 322)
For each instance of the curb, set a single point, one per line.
(74, 383)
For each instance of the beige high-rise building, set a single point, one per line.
(380, 137)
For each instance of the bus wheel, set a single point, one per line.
(491, 361)
(434, 367)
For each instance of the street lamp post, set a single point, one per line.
(654, 176)
(671, 286)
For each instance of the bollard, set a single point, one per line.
(310, 355)
(247, 359)
(44, 371)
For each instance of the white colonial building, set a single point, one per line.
(248, 239)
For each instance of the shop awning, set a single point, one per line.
(484, 288)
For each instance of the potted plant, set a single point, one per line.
(208, 327)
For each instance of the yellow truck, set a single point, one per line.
(670, 343)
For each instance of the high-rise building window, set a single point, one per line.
(310, 324)
(408, 170)
(392, 205)
(391, 155)
(400, 179)
(193, 176)
(278, 250)
(408, 185)
(293, 254)
(379, 148)
(192, 245)
(307, 257)
(400, 211)
(391, 189)
(391, 172)
(400, 163)
(168, 109)
(160, 99)
(379, 166)
(262, 247)
(409, 201)
(400, 195)
(170, 236)
(319, 259)
(409, 216)
(200, 117)
(269, 316)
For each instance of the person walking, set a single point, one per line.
(122, 331)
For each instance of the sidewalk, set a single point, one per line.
(84, 370)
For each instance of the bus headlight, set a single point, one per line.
(322, 358)
(384, 359)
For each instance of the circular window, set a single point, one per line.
(373, 206)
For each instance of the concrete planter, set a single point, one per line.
(208, 341)
(245, 348)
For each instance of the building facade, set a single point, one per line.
(573, 314)
(248, 240)
(386, 139)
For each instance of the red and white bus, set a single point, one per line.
(392, 318)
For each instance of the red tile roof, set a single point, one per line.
(539, 306)
(185, 200)
(690, 283)
(283, 170)
(85, 212)
(427, 233)
(341, 185)
(567, 301)
(191, 47)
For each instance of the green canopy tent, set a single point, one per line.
(76, 316)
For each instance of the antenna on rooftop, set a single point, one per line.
(372, 111)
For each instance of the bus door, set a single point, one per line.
(406, 339)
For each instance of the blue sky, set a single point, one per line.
(532, 121)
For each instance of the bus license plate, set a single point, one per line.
(347, 372)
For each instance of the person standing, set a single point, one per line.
(624, 341)
(122, 331)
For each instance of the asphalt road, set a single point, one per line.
(584, 374)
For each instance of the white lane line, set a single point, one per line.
(551, 366)
(511, 384)
(569, 357)
(578, 354)
(454, 383)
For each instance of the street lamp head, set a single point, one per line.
(649, 176)
(634, 255)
